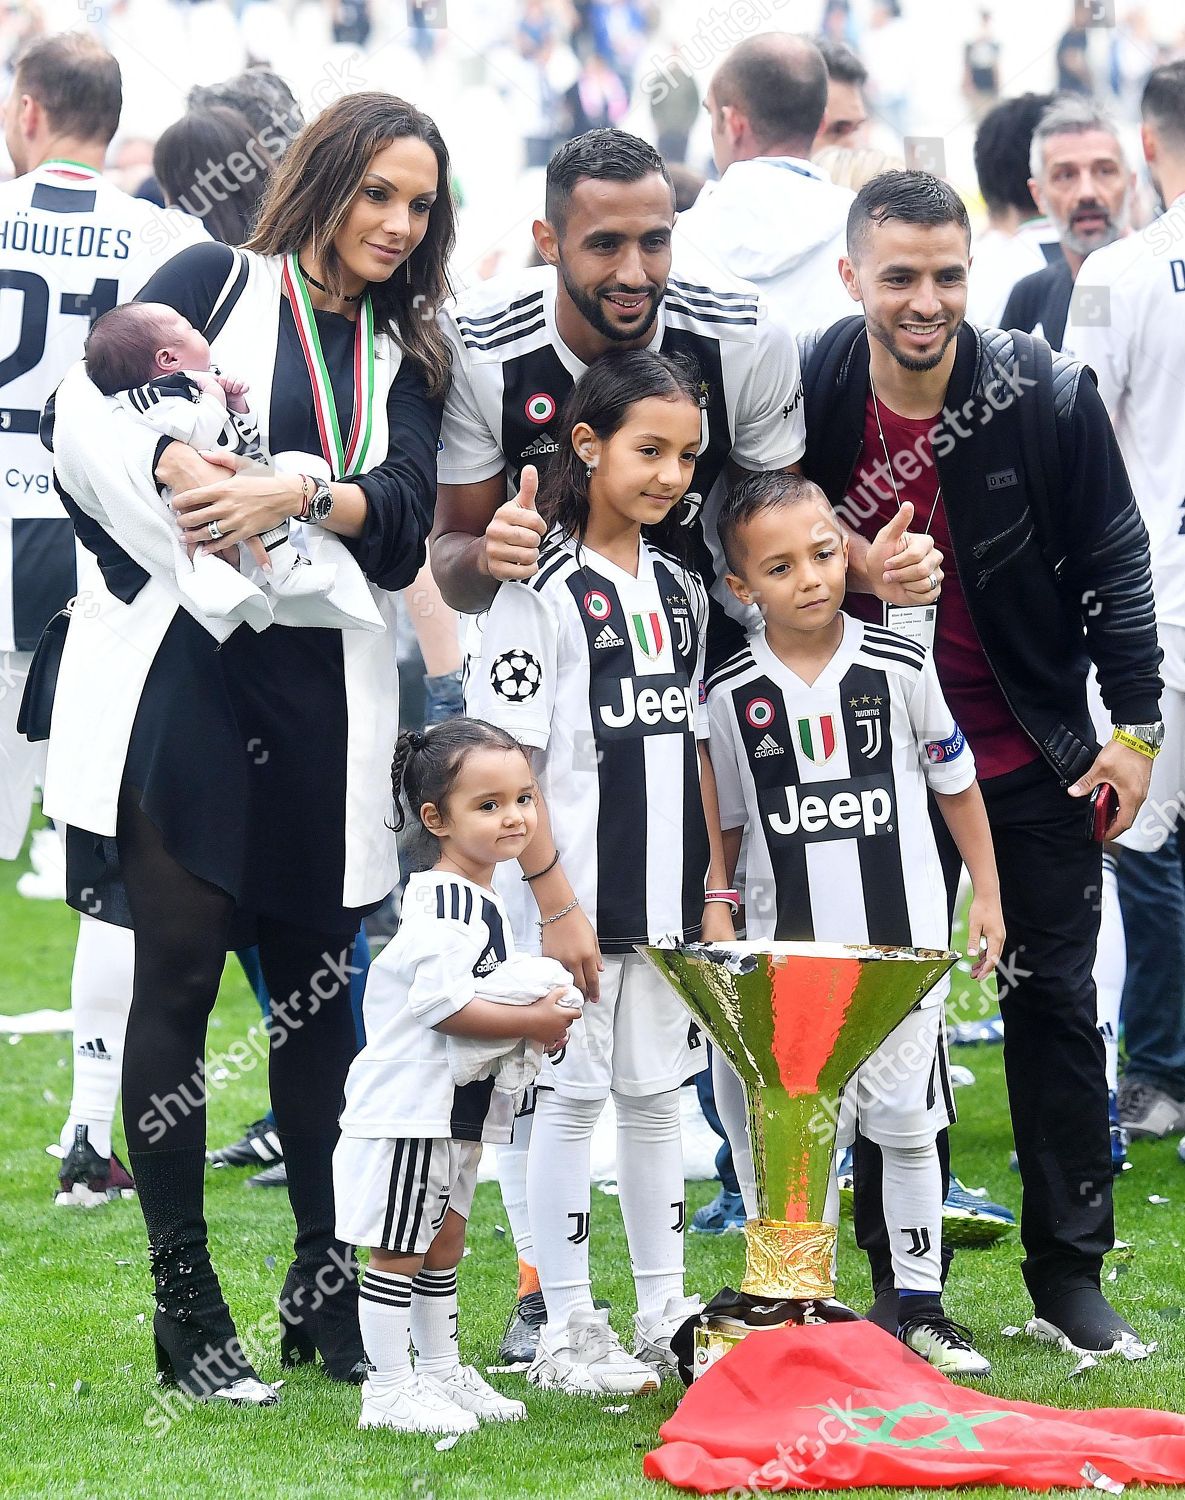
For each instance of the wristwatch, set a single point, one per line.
(318, 508)
(1145, 738)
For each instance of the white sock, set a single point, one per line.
(512, 1179)
(651, 1191)
(434, 1322)
(730, 1106)
(912, 1197)
(1110, 969)
(100, 997)
(559, 1199)
(384, 1318)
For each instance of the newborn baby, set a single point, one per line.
(157, 365)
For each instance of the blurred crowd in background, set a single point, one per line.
(508, 83)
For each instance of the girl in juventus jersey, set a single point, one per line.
(826, 737)
(597, 663)
(406, 1165)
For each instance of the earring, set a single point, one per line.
(588, 471)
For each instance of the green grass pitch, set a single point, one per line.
(80, 1413)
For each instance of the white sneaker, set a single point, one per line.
(944, 1344)
(45, 851)
(584, 1357)
(417, 1404)
(465, 1388)
(43, 885)
(652, 1341)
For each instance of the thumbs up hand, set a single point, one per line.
(904, 568)
(515, 532)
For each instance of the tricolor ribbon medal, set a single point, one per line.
(647, 630)
(816, 735)
(348, 457)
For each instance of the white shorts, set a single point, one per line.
(902, 1096)
(637, 1039)
(22, 761)
(393, 1195)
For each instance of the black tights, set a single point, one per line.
(182, 925)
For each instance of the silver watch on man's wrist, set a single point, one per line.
(1151, 735)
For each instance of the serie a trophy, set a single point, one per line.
(795, 1021)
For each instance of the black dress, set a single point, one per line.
(238, 751)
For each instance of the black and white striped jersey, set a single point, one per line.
(830, 782)
(71, 247)
(601, 673)
(451, 934)
(512, 373)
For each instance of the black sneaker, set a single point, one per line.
(520, 1342)
(1082, 1321)
(86, 1179)
(274, 1176)
(258, 1148)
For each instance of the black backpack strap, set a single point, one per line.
(1033, 361)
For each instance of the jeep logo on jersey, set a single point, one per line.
(860, 807)
(630, 707)
(540, 408)
(817, 738)
(647, 631)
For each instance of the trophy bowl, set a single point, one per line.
(795, 1021)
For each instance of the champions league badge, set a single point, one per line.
(516, 675)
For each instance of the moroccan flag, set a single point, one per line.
(845, 1405)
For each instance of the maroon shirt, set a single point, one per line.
(967, 680)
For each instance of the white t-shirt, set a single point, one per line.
(601, 673)
(1136, 347)
(451, 933)
(72, 246)
(829, 780)
(999, 260)
(512, 373)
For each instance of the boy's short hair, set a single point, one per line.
(757, 493)
(121, 347)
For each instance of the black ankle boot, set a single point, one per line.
(319, 1299)
(197, 1347)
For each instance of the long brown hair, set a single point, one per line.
(313, 190)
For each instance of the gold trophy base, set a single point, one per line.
(789, 1260)
(715, 1338)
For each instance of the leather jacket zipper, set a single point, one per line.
(981, 547)
(981, 581)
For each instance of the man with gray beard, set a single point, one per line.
(1082, 182)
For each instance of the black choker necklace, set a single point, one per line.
(312, 281)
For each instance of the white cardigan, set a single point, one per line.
(110, 646)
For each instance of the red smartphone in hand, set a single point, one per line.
(1101, 811)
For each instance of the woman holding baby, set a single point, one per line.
(226, 785)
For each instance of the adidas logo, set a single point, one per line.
(768, 746)
(95, 1050)
(543, 445)
(607, 637)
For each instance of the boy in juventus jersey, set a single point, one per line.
(826, 735)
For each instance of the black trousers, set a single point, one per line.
(1050, 887)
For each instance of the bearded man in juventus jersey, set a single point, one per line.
(519, 344)
(521, 341)
(72, 246)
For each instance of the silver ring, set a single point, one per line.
(933, 582)
(215, 531)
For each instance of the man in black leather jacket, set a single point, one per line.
(1008, 460)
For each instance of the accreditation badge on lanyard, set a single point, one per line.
(347, 457)
(915, 621)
